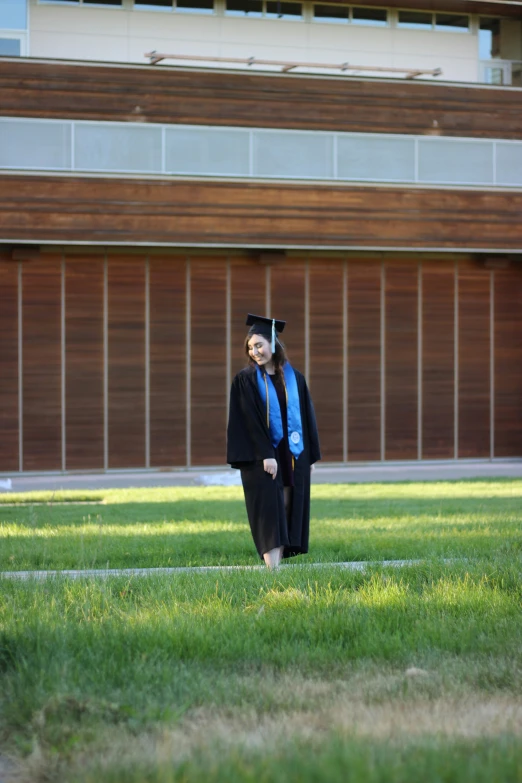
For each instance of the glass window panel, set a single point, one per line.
(195, 6)
(509, 164)
(35, 145)
(101, 147)
(377, 17)
(445, 160)
(207, 151)
(13, 14)
(300, 155)
(103, 2)
(331, 13)
(375, 158)
(10, 47)
(244, 7)
(155, 5)
(452, 22)
(278, 10)
(489, 38)
(415, 20)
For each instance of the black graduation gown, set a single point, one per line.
(248, 444)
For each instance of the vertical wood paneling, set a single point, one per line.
(364, 361)
(42, 431)
(126, 409)
(84, 362)
(287, 298)
(401, 360)
(248, 283)
(474, 362)
(438, 342)
(208, 370)
(168, 369)
(326, 366)
(9, 457)
(508, 362)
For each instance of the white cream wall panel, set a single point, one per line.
(88, 33)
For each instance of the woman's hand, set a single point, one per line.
(312, 468)
(270, 465)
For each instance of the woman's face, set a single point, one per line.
(259, 349)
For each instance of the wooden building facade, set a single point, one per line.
(123, 294)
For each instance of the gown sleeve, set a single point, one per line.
(248, 439)
(313, 435)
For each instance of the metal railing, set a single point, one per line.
(144, 149)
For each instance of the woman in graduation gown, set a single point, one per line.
(272, 439)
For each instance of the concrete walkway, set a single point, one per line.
(324, 474)
(104, 573)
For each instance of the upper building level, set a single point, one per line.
(469, 41)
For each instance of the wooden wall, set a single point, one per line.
(97, 210)
(126, 359)
(158, 94)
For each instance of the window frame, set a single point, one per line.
(433, 28)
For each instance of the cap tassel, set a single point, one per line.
(273, 336)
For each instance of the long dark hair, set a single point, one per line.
(279, 356)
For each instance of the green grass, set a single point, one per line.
(305, 674)
(208, 526)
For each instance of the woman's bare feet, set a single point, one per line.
(273, 558)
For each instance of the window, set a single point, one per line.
(278, 10)
(425, 20)
(452, 22)
(13, 15)
(117, 3)
(489, 38)
(378, 17)
(10, 47)
(195, 6)
(331, 13)
(153, 5)
(244, 7)
(416, 20)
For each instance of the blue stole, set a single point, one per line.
(269, 397)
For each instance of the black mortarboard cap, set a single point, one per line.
(265, 326)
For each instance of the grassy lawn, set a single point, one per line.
(208, 526)
(306, 674)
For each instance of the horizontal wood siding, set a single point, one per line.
(401, 360)
(42, 379)
(247, 295)
(474, 362)
(208, 366)
(126, 362)
(9, 455)
(326, 353)
(84, 413)
(438, 360)
(508, 363)
(124, 211)
(167, 95)
(364, 361)
(168, 367)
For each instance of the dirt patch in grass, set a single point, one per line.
(224, 733)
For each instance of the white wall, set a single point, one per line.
(121, 35)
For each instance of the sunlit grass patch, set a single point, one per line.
(192, 526)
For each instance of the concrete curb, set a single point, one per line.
(144, 572)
